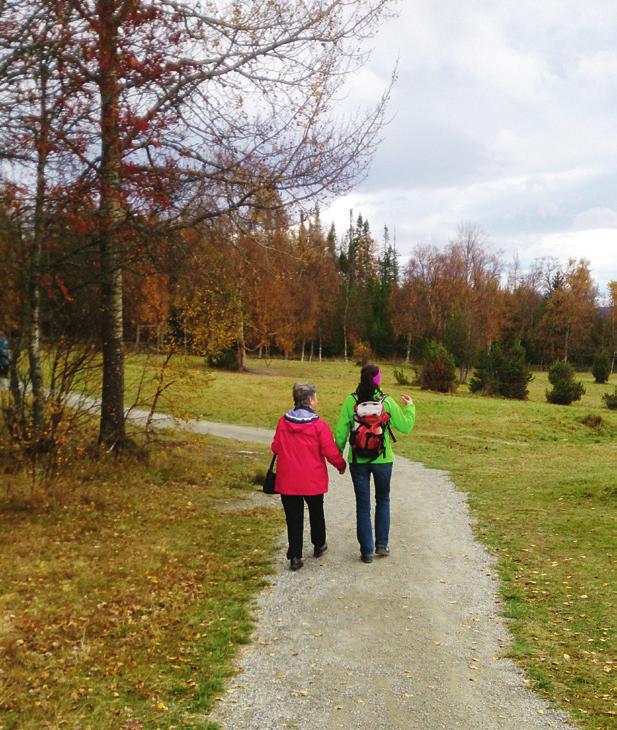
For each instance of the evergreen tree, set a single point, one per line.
(601, 368)
(565, 388)
(503, 372)
(438, 370)
(381, 334)
(358, 265)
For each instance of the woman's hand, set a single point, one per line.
(407, 399)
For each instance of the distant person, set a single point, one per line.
(303, 442)
(4, 355)
(365, 420)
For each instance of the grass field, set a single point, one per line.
(542, 486)
(123, 598)
(124, 595)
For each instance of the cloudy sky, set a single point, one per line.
(504, 116)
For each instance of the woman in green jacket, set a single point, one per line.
(402, 418)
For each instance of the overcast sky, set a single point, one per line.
(505, 116)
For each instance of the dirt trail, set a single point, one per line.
(409, 641)
(412, 641)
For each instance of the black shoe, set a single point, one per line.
(319, 551)
(366, 558)
(295, 563)
(382, 550)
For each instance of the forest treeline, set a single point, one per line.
(276, 289)
(270, 288)
(308, 292)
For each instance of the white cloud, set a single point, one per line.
(598, 68)
(598, 246)
(594, 218)
(504, 115)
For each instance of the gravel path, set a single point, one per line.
(410, 642)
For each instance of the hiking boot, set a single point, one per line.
(382, 550)
(295, 564)
(319, 551)
(366, 558)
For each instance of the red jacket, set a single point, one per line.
(302, 443)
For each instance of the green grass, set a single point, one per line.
(124, 596)
(542, 486)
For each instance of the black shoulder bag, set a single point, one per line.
(270, 478)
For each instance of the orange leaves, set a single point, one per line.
(54, 285)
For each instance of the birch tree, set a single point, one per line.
(193, 107)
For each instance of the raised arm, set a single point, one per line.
(402, 417)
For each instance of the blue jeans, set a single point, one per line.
(361, 478)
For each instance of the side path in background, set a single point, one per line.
(409, 641)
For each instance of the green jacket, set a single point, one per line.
(402, 418)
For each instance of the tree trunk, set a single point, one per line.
(112, 431)
(302, 353)
(241, 349)
(565, 345)
(320, 348)
(312, 351)
(613, 334)
(408, 351)
(34, 281)
(14, 384)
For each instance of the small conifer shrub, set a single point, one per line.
(503, 372)
(610, 400)
(601, 368)
(401, 377)
(438, 369)
(565, 389)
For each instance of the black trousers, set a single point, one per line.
(294, 515)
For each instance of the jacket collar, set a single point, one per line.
(301, 415)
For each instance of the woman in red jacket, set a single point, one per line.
(302, 443)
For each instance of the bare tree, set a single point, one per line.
(34, 114)
(194, 107)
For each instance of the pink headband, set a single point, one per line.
(377, 378)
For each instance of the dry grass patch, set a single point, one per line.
(124, 598)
